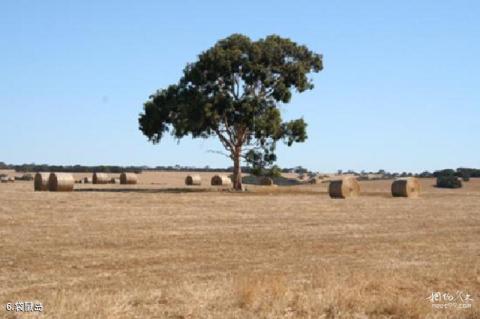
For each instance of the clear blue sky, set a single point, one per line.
(400, 89)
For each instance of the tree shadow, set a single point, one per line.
(279, 181)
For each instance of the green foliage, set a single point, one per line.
(448, 181)
(274, 171)
(257, 171)
(233, 91)
(300, 170)
(464, 173)
(468, 172)
(260, 167)
(260, 161)
(425, 174)
(444, 172)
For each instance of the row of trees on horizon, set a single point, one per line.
(459, 172)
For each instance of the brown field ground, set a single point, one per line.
(161, 250)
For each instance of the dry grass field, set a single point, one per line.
(161, 250)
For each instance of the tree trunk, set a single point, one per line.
(237, 170)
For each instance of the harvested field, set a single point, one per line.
(160, 250)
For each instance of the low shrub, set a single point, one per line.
(464, 175)
(449, 181)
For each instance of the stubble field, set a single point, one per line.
(161, 250)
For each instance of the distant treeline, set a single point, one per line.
(70, 168)
(136, 169)
(107, 168)
(460, 172)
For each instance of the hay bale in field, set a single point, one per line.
(4, 179)
(343, 188)
(220, 180)
(60, 182)
(128, 178)
(113, 180)
(193, 180)
(406, 187)
(100, 178)
(11, 180)
(87, 180)
(40, 181)
(266, 181)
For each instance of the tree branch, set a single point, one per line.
(219, 152)
(226, 143)
(228, 131)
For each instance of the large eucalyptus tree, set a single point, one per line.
(233, 91)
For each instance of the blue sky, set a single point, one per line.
(400, 88)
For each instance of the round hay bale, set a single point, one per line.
(406, 187)
(87, 180)
(40, 181)
(100, 178)
(220, 180)
(4, 179)
(266, 181)
(343, 188)
(128, 178)
(193, 180)
(61, 182)
(11, 179)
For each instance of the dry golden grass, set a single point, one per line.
(158, 251)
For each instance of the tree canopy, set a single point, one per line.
(233, 91)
